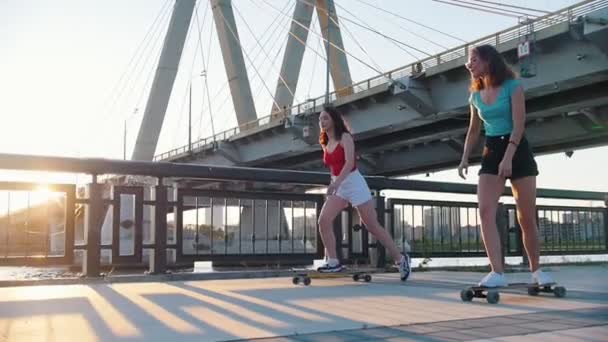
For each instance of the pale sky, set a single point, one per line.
(73, 71)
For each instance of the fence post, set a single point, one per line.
(520, 243)
(159, 262)
(94, 216)
(606, 226)
(338, 235)
(502, 223)
(380, 210)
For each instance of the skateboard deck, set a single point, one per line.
(304, 275)
(492, 294)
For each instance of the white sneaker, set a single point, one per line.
(541, 278)
(494, 279)
(404, 266)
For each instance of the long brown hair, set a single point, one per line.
(498, 70)
(340, 125)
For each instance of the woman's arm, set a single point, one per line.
(518, 105)
(472, 134)
(349, 155)
(470, 142)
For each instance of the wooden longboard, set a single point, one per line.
(492, 294)
(304, 275)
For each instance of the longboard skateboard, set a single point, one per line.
(492, 294)
(304, 275)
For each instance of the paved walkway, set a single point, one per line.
(427, 308)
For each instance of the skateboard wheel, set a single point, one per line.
(306, 281)
(533, 291)
(559, 291)
(367, 278)
(295, 280)
(467, 295)
(493, 297)
(355, 277)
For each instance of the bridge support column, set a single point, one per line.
(259, 223)
(292, 60)
(156, 107)
(340, 73)
(233, 61)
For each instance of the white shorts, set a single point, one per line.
(354, 189)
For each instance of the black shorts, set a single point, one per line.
(523, 165)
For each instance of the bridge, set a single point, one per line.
(413, 119)
(118, 238)
(408, 120)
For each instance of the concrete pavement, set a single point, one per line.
(427, 308)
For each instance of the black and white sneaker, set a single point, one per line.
(327, 268)
(405, 267)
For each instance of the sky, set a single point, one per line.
(75, 73)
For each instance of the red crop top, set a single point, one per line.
(335, 160)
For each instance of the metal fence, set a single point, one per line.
(453, 229)
(36, 224)
(437, 228)
(159, 221)
(564, 230)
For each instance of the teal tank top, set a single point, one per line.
(498, 117)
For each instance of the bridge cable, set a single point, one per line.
(274, 60)
(477, 9)
(401, 27)
(505, 10)
(287, 8)
(265, 53)
(363, 49)
(314, 66)
(370, 29)
(513, 6)
(357, 42)
(146, 64)
(304, 27)
(247, 56)
(225, 83)
(205, 65)
(317, 53)
(186, 93)
(413, 21)
(325, 40)
(276, 25)
(152, 28)
(133, 78)
(380, 73)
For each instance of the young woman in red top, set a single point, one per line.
(348, 186)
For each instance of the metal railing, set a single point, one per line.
(453, 229)
(436, 228)
(243, 226)
(568, 14)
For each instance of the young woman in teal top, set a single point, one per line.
(497, 100)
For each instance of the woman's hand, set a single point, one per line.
(463, 169)
(332, 188)
(505, 167)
